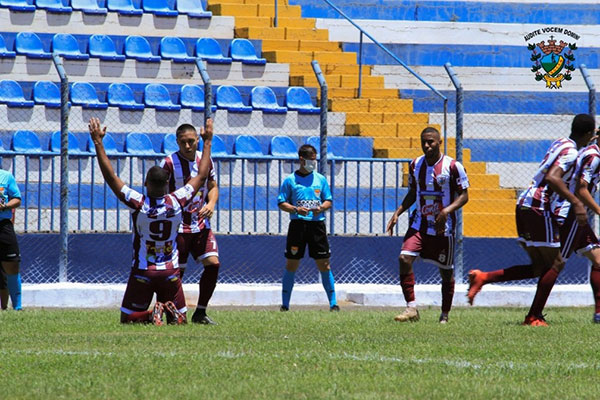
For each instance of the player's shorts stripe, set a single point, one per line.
(569, 240)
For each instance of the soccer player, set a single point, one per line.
(438, 184)
(538, 225)
(305, 194)
(195, 234)
(156, 218)
(10, 257)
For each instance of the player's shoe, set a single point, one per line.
(157, 314)
(174, 316)
(335, 308)
(443, 318)
(411, 314)
(284, 309)
(476, 282)
(201, 318)
(597, 318)
(535, 320)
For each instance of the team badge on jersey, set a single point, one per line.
(442, 180)
(317, 191)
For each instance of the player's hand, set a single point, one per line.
(302, 211)
(96, 131)
(206, 212)
(580, 214)
(391, 224)
(440, 221)
(207, 134)
(316, 211)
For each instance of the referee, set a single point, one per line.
(305, 194)
(10, 198)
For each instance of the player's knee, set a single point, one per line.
(559, 265)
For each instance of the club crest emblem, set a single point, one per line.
(294, 250)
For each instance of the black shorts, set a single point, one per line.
(9, 247)
(301, 233)
(3, 284)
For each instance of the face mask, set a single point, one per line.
(310, 165)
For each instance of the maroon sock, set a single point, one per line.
(514, 273)
(544, 287)
(208, 282)
(447, 295)
(595, 282)
(138, 316)
(408, 286)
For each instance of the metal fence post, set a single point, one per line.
(64, 168)
(459, 157)
(207, 89)
(360, 52)
(592, 90)
(275, 19)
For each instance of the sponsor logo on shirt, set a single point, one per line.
(430, 209)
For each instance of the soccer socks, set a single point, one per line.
(545, 285)
(515, 273)
(447, 295)
(407, 282)
(329, 285)
(286, 288)
(14, 289)
(208, 282)
(595, 282)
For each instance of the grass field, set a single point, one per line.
(303, 354)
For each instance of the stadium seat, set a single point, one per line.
(103, 47)
(53, 6)
(283, 146)
(157, 96)
(4, 52)
(124, 7)
(218, 147)
(110, 146)
(120, 95)
(243, 50)
(46, 93)
(263, 98)
(158, 7)
(66, 45)
(88, 7)
(193, 8)
(247, 146)
(315, 141)
(3, 150)
(298, 99)
(12, 95)
(230, 99)
(84, 94)
(173, 48)
(192, 96)
(209, 50)
(26, 142)
(169, 144)
(30, 45)
(139, 144)
(74, 149)
(138, 47)
(17, 5)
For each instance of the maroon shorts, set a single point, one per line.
(575, 238)
(143, 284)
(537, 228)
(200, 245)
(438, 249)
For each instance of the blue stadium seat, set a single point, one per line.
(84, 94)
(12, 95)
(4, 52)
(169, 144)
(66, 45)
(283, 146)
(138, 47)
(88, 7)
(218, 147)
(243, 50)
(230, 99)
(120, 95)
(124, 7)
(53, 6)
(74, 149)
(103, 47)
(4, 151)
(26, 142)
(30, 45)
(173, 48)
(192, 96)
(157, 96)
(17, 5)
(193, 8)
(110, 146)
(46, 93)
(209, 50)
(247, 146)
(298, 99)
(139, 144)
(315, 141)
(158, 7)
(263, 98)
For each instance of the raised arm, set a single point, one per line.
(97, 133)
(204, 169)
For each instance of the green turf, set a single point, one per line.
(355, 354)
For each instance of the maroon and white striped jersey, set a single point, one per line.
(587, 166)
(181, 170)
(539, 195)
(155, 223)
(436, 187)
